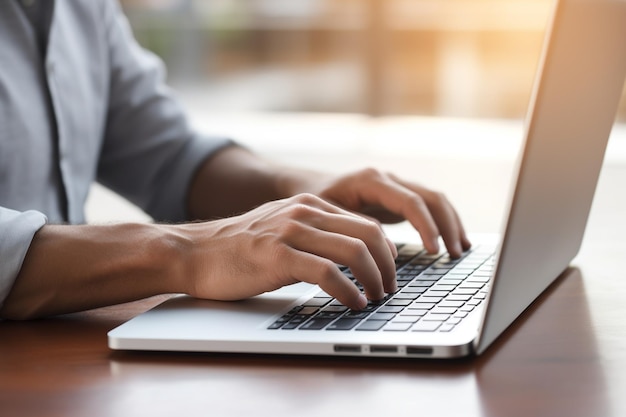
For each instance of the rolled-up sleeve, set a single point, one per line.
(17, 230)
(149, 153)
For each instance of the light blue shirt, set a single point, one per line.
(115, 121)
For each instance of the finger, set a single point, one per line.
(371, 234)
(405, 202)
(335, 219)
(449, 225)
(341, 248)
(332, 208)
(466, 244)
(445, 216)
(307, 267)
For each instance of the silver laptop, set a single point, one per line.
(444, 307)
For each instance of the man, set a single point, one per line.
(80, 101)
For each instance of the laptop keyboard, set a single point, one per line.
(435, 293)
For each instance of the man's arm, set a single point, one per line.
(286, 240)
(73, 268)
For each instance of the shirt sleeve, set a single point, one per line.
(17, 230)
(150, 153)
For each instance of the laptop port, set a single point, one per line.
(347, 348)
(419, 350)
(383, 349)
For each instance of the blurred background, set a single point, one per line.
(268, 71)
(460, 58)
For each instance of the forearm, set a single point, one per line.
(73, 268)
(235, 180)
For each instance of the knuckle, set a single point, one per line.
(289, 228)
(438, 198)
(356, 248)
(371, 173)
(280, 255)
(305, 199)
(372, 228)
(415, 200)
(326, 270)
(298, 211)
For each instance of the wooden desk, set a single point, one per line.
(566, 356)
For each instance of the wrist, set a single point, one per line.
(290, 182)
(170, 249)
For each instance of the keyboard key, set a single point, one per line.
(397, 327)
(462, 269)
(390, 309)
(412, 312)
(405, 319)
(433, 293)
(443, 287)
(451, 303)
(443, 310)
(335, 309)
(394, 302)
(405, 296)
(421, 306)
(308, 311)
(382, 316)
(450, 281)
(356, 314)
(464, 291)
(343, 324)
(453, 275)
(446, 327)
(478, 278)
(421, 283)
(425, 326)
(425, 299)
(458, 297)
(371, 325)
(317, 302)
(413, 290)
(436, 317)
(315, 324)
(291, 325)
(438, 271)
(328, 315)
(466, 284)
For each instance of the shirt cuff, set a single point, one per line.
(171, 202)
(17, 230)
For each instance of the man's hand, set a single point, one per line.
(390, 199)
(285, 241)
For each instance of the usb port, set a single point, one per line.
(418, 350)
(347, 348)
(383, 349)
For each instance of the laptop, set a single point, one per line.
(447, 307)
